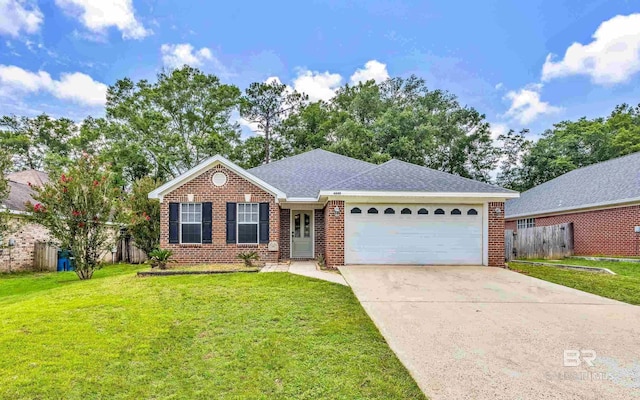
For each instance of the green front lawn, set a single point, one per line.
(620, 268)
(624, 287)
(239, 336)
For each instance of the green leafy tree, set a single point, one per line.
(5, 165)
(77, 209)
(142, 215)
(34, 141)
(399, 118)
(514, 146)
(624, 125)
(266, 105)
(170, 126)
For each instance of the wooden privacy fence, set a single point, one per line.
(128, 252)
(552, 242)
(45, 257)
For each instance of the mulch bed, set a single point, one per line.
(212, 272)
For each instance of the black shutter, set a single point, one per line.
(206, 223)
(231, 222)
(174, 222)
(264, 223)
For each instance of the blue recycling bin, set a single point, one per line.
(64, 261)
(63, 264)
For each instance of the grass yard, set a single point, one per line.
(238, 336)
(624, 287)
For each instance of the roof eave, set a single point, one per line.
(381, 193)
(205, 166)
(584, 207)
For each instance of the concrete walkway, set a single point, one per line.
(489, 333)
(308, 268)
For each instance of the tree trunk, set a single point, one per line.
(84, 273)
(267, 138)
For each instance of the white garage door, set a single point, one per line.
(413, 234)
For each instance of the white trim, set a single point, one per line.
(257, 224)
(312, 229)
(205, 166)
(303, 199)
(577, 209)
(485, 234)
(365, 193)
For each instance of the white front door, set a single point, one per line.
(301, 234)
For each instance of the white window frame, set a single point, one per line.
(238, 223)
(526, 223)
(190, 223)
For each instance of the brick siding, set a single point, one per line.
(496, 234)
(25, 234)
(334, 234)
(285, 234)
(599, 232)
(233, 191)
(318, 223)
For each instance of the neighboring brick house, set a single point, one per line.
(601, 200)
(323, 204)
(23, 235)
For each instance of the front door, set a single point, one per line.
(301, 234)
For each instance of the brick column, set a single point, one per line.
(334, 234)
(496, 234)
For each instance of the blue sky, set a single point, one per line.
(523, 64)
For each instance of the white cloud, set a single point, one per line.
(176, 55)
(373, 69)
(612, 57)
(318, 85)
(526, 104)
(19, 15)
(498, 129)
(499, 86)
(77, 87)
(99, 15)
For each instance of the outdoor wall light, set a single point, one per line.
(12, 242)
(336, 211)
(498, 210)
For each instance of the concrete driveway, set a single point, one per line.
(490, 333)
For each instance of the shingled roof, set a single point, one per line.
(304, 175)
(19, 190)
(610, 182)
(400, 176)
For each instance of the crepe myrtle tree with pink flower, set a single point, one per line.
(78, 209)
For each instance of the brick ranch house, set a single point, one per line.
(601, 200)
(323, 204)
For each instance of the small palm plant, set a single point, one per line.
(159, 258)
(249, 257)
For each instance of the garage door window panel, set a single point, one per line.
(372, 210)
(405, 211)
(456, 211)
(423, 211)
(439, 211)
(472, 212)
(356, 210)
(389, 211)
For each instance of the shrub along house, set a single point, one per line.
(323, 204)
(601, 200)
